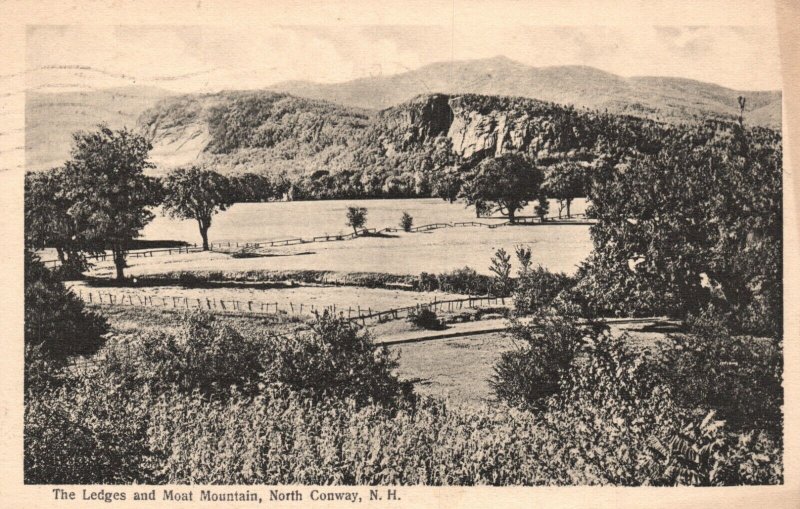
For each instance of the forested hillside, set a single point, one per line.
(411, 149)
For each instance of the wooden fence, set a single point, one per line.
(358, 314)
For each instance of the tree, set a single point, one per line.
(501, 268)
(406, 222)
(356, 217)
(565, 181)
(48, 222)
(194, 193)
(505, 183)
(447, 184)
(707, 210)
(542, 206)
(109, 191)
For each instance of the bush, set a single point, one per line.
(531, 373)
(426, 282)
(738, 376)
(204, 355)
(465, 281)
(537, 289)
(335, 360)
(88, 431)
(617, 423)
(406, 222)
(56, 321)
(425, 318)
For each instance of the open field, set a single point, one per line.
(249, 222)
(558, 248)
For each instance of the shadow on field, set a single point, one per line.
(380, 235)
(256, 254)
(154, 282)
(663, 327)
(157, 244)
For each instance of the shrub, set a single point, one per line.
(537, 289)
(524, 256)
(425, 318)
(204, 355)
(335, 360)
(87, 431)
(427, 282)
(56, 321)
(529, 374)
(616, 423)
(406, 222)
(738, 376)
(465, 281)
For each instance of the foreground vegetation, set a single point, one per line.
(208, 402)
(202, 406)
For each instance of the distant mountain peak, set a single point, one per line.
(665, 98)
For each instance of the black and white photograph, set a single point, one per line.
(264, 257)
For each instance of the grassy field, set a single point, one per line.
(347, 299)
(558, 248)
(250, 222)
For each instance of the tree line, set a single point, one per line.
(101, 198)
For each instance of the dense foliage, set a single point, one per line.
(194, 193)
(610, 422)
(536, 289)
(698, 222)
(56, 324)
(48, 221)
(505, 183)
(533, 371)
(740, 377)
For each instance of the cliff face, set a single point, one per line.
(481, 126)
(477, 135)
(414, 122)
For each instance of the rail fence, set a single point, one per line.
(329, 238)
(358, 314)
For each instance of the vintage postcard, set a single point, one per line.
(403, 254)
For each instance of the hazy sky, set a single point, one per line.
(207, 58)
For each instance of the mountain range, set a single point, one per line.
(51, 118)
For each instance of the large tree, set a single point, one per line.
(109, 191)
(696, 223)
(565, 181)
(505, 183)
(194, 193)
(48, 223)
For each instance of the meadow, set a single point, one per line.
(250, 222)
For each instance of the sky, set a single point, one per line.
(211, 58)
